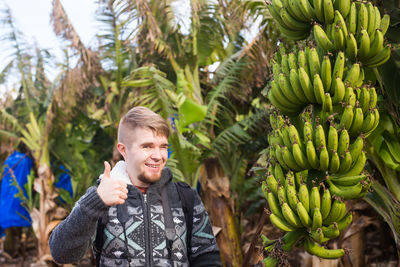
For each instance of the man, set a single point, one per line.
(142, 222)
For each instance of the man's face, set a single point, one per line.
(145, 156)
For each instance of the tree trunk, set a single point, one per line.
(217, 200)
(42, 218)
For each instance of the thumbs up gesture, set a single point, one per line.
(111, 191)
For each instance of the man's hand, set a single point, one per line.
(111, 191)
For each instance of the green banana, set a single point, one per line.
(339, 90)
(333, 140)
(345, 192)
(352, 19)
(284, 85)
(304, 196)
(362, 17)
(318, 89)
(329, 14)
(347, 117)
(376, 44)
(380, 58)
(351, 47)
(306, 84)
(300, 157)
(315, 199)
(312, 155)
(334, 213)
(286, 137)
(279, 157)
(274, 205)
(356, 148)
(324, 159)
(289, 160)
(357, 167)
(308, 132)
(322, 38)
(343, 6)
(371, 19)
(318, 236)
(303, 215)
(352, 75)
(334, 163)
(281, 223)
(314, 249)
(290, 216)
(294, 7)
(348, 180)
(385, 22)
(320, 140)
(326, 73)
(296, 86)
(357, 122)
(364, 99)
(344, 142)
(339, 66)
(278, 173)
(365, 44)
(302, 60)
(313, 62)
(338, 38)
(307, 9)
(345, 162)
(326, 203)
(331, 231)
(327, 105)
(294, 135)
(272, 184)
(345, 221)
(318, 8)
(317, 219)
(373, 97)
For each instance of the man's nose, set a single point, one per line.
(156, 153)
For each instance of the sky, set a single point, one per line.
(32, 18)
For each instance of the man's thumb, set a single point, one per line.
(107, 170)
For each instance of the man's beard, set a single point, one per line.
(148, 180)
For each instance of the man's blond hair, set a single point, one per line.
(141, 117)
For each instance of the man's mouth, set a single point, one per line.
(152, 165)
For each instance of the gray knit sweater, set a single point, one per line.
(144, 230)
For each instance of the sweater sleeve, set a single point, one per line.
(204, 248)
(71, 238)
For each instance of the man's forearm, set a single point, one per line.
(72, 237)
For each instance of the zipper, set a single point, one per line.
(147, 229)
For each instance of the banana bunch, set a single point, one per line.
(313, 213)
(317, 147)
(303, 77)
(358, 114)
(294, 17)
(360, 35)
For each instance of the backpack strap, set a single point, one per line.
(186, 196)
(98, 242)
(168, 220)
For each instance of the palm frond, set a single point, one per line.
(153, 92)
(6, 70)
(226, 78)
(9, 121)
(242, 132)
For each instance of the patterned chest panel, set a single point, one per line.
(114, 248)
(114, 236)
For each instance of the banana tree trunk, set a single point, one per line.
(42, 218)
(219, 204)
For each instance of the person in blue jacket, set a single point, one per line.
(136, 202)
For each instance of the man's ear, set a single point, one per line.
(122, 149)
